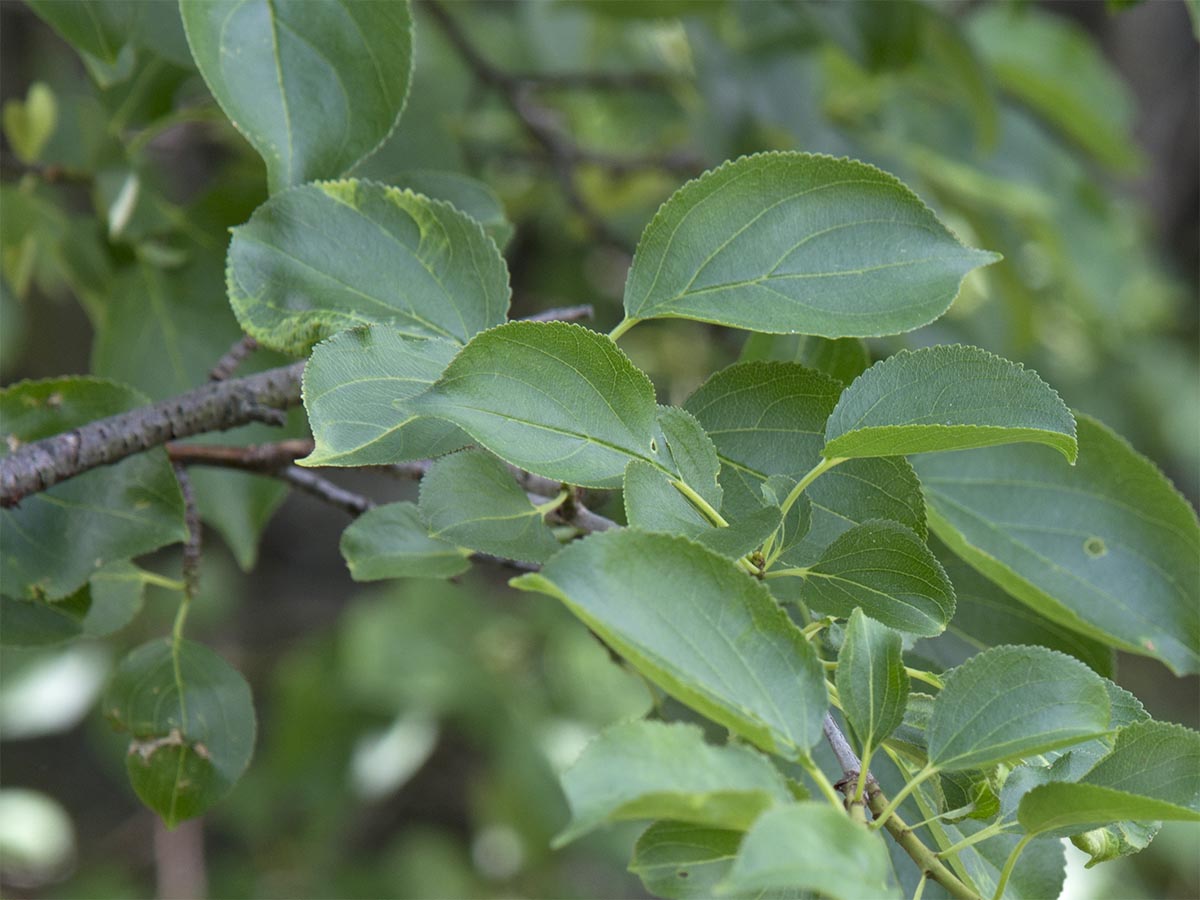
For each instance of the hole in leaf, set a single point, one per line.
(682, 873)
(653, 445)
(1095, 547)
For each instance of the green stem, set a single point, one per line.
(908, 841)
(162, 581)
(822, 782)
(802, 485)
(927, 677)
(1009, 865)
(786, 573)
(908, 788)
(920, 886)
(623, 326)
(983, 834)
(702, 505)
(551, 505)
(812, 629)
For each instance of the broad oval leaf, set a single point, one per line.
(108, 602)
(651, 770)
(321, 258)
(946, 398)
(553, 398)
(1152, 773)
(393, 541)
(698, 627)
(798, 243)
(472, 500)
(682, 861)
(56, 539)
(1107, 547)
(812, 846)
(356, 387)
(314, 87)
(871, 681)
(1010, 702)
(886, 570)
(191, 724)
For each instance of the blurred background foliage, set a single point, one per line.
(409, 736)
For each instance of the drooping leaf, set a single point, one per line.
(1010, 702)
(191, 725)
(314, 88)
(768, 418)
(553, 398)
(946, 398)
(471, 499)
(324, 257)
(886, 570)
(682, 861)
(798, 243)
(356, 387)
(652, 770)
(1107, 547)
(714, 639)
(56, 539)
(1152, 773)
(812, 846)
(393, 541)
(871, 680)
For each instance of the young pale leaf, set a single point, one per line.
(886, 570)
(1011, 702)
(314, 87)
(1107, 547)
(471, 499)
(553, 398)
(768, 418)
(871, 680)
(324, 257)
(684, 862)
(1152, 773)
(946, 398)
(811, 846)
(393, 541)
(650, 770)
(191, 724)
(699, 628)
(356, 387)
(56, 539)
(798, 243)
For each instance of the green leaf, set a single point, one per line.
(843, 359)
(356, 390)
(1152, 773)
(798, 243)
(98, 28)
(651, 770)
(871, 680)
(468, 195)
(768, 418)
(56, 539)
(314, 87)
(191, 723)
(393, 541)
(715, 641)
(29, 123)
(107, 603)
(886, 570)
(325, 257)
(693, 456)
(812, 846)
(946, 398)
(1011, 702)
(1107, 547)
(552, 398)
(682, 861)
(471, 499)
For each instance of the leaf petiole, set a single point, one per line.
(908, 788)
(623, 326)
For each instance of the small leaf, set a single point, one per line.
(684, 862)
(649, 770)
(1012, 702)
(107, 603)
(886, 570)
(356, 387)
(28, 124)
(715, 640)
(191, 725)
(871, 680)
(314, 88)
(321, 258)
(393, 541)
(798, 243)
(693, 456)
(1107, 547)
(946, 398)
(472, 500)
(552, 398)
(811, 846)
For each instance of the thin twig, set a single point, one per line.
(598, 81)
(233, 357)
(254, 458)
(193, 545)
(322, 489)
(563, 314)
